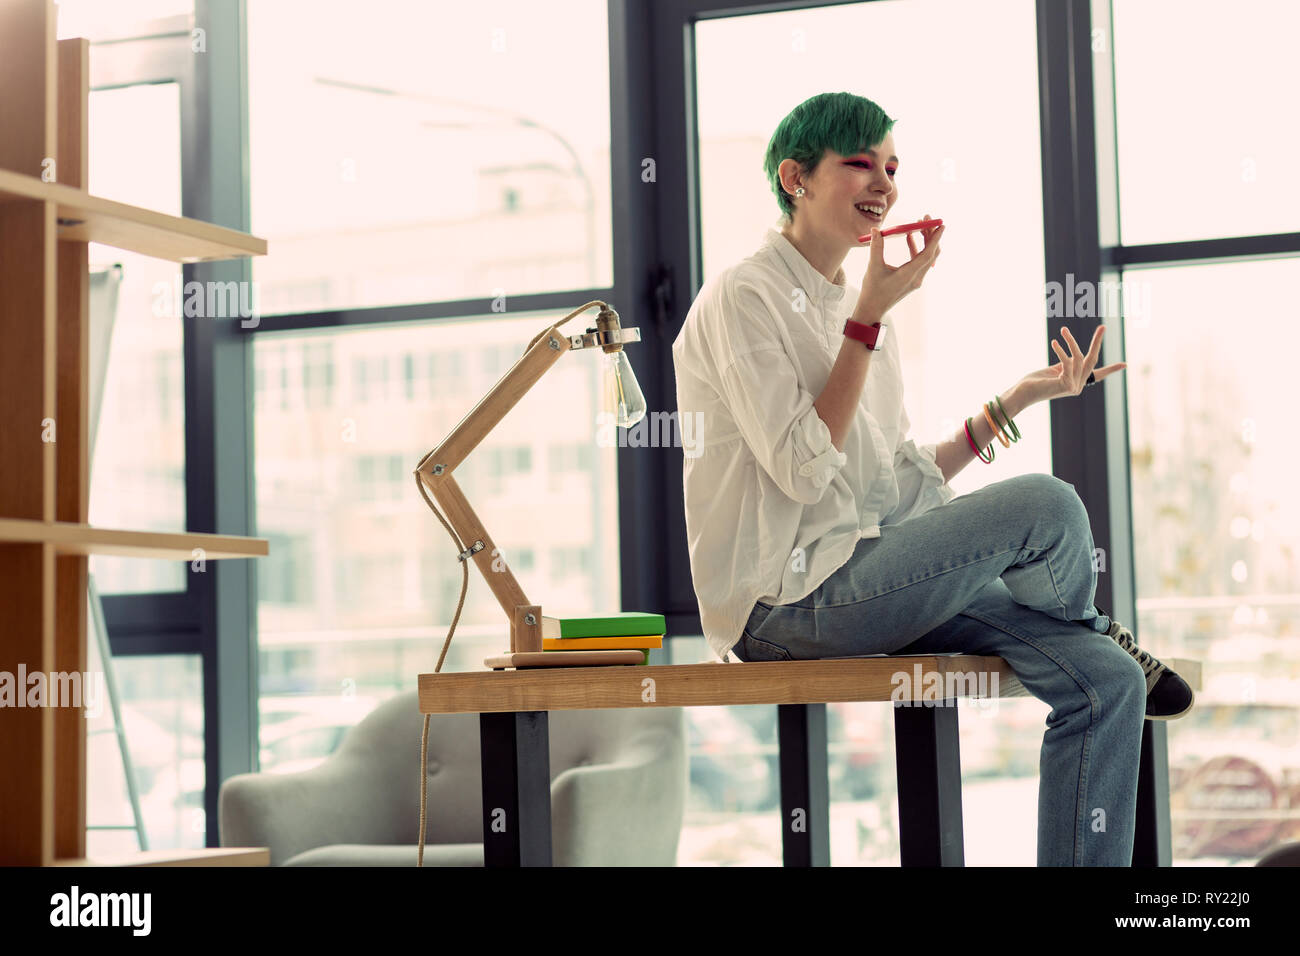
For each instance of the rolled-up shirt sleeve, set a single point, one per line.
(773, 412)
(779, 423)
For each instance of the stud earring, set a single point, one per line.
(799, 191)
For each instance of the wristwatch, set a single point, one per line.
(872, 336)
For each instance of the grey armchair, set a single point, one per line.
(618, 792)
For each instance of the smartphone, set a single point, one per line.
(900, 230)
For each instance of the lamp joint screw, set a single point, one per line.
(554, 343)
(530, 619)
(477, 546)
(438, 469)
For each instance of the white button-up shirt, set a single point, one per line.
(772, 508)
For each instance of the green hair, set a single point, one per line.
(847, 123)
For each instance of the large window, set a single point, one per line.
(980, 172)
(427, 151)
(103, 21)
(430, 152)
(1216, 531)
(362, 579)
(1206, 152)
(140, 56)
(138, 460)
(1205, 155)
(161, 710)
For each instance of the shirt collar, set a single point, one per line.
(815, 285)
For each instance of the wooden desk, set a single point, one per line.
(512, 706)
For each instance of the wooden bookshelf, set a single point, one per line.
(47, 220)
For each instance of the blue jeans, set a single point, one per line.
(1004, 571)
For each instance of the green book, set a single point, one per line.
(621, 623)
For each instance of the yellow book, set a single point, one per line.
(602, 643)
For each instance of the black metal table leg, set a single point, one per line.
(516, 756)
(1151, 835)
(929, 785)
(805, 791)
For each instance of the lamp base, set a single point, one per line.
(520, 659)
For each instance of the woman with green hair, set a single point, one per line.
(818, 529)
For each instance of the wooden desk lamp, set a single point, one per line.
(434, 473)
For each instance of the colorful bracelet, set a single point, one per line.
(980, 454)
(1001, 421)
(1004, 423)
(1011, 424)
(997, 429)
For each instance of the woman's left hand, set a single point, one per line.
(1069, 376)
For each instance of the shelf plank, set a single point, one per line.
(72, 458)
(212, 856)
(86, 218)
(72, 538)
(28, 84)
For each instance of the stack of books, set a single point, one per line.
(624, 630)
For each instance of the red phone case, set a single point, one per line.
(900, 230)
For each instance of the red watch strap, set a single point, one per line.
(866, 334)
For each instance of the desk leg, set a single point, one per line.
(516, 756)
(1151, 837)
(805, 792)
(929, 785)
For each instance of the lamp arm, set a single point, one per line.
(434, 473)
(504, 395)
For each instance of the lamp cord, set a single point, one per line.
(424, 735)
(464, 585)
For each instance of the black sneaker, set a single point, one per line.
(1168, 695)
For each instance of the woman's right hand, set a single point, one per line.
(884, 285)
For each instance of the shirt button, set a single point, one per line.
(806, 470)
